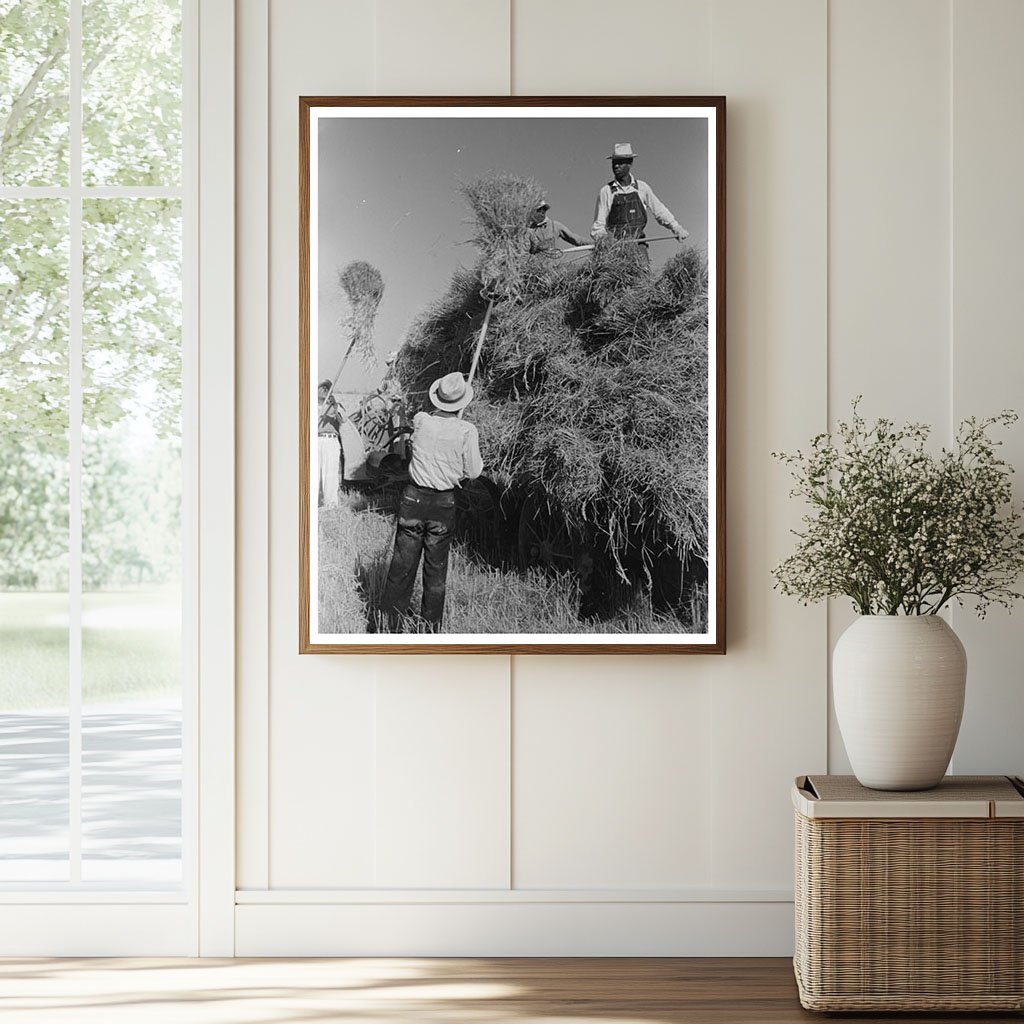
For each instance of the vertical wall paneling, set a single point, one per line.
(442, 48)
(323, 759)
(769, 692)
(253, 461)
(442, 774)
(325, 724)
(889, 253)
(988, 328)
(610, 750)
(889, 212)
(578, 47)
(871, 249)
(612, 765)
(321, 708)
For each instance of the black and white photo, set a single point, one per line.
(512, 375)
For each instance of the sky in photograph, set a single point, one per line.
(388, 194)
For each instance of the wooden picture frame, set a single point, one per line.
(382, 234)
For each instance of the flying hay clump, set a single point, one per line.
(364, 288)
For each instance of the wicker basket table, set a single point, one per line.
(910, 901)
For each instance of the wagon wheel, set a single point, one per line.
(675, 581)
(544, 538)
(381, 496)
(478, 515)
(387, 477)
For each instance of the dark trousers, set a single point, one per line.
(425, 520)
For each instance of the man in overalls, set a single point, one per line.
(624, 203)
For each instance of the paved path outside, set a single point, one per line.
(131, 792)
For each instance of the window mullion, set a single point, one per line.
(75, 333)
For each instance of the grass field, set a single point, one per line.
(130, 647)
(355, 552)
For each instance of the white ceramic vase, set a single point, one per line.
(898, 683)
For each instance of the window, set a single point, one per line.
(95, 463)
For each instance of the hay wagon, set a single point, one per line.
(542, 537)
(381, 423)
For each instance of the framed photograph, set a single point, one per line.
(512, 375)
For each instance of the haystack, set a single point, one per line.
(592, 384)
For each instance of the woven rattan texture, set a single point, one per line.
(916, 914)
(959, 787)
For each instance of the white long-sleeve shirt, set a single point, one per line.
(445, 450)
(654, 206)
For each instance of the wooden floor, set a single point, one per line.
(382, 991)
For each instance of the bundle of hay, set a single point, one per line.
(592, 384)
(501, 206)
(364, 288)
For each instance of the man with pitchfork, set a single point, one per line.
(624, 203)
(445, 451)
(545, 231)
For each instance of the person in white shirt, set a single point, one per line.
(445, 451)
(624, 203)
(328, 446)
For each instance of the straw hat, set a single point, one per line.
(451, 392)
(622, 151)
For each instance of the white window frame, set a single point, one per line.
(198, 918)
(216, 393)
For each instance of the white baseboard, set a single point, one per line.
(521, 928)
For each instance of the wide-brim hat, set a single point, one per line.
(622, 151)
(451, 392)
(543, 205)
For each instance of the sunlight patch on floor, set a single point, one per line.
(220, 991)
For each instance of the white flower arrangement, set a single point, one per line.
(899, 530)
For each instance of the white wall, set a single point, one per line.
(546, 805)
